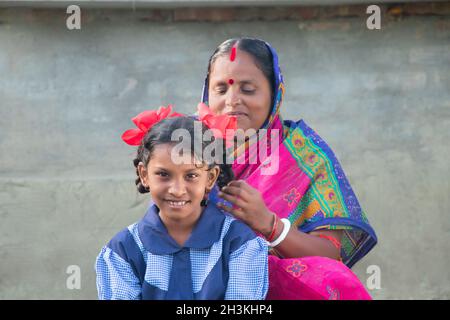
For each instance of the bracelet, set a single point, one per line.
(274, 228)
(287, 226)
(333, 240)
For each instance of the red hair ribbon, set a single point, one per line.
(144, 121)
(224, 124)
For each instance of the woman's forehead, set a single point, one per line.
(242, 66)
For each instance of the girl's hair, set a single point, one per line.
(161, 133)
(257, 49)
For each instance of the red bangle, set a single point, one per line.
(335, 242)
(274, 229)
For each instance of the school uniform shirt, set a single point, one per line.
(222, 259)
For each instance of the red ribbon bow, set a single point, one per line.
(224, 124)
(144, 121)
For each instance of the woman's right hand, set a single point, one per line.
(248, 206)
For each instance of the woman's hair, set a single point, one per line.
(257, 49)
(161, 133)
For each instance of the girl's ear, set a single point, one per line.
(213, 174)
(143, 174)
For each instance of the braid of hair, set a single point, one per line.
(140, 158)
(226, 173)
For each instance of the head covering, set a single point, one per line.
(308, 186)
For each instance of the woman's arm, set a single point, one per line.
(300, 244)
(252, 210)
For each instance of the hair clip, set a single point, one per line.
(144, 121)
(225, 126)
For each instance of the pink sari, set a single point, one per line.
(313, 278)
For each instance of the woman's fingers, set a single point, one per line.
(242, 185)
(236, 191)
(235, 212)
(236, 183)
(238, 201)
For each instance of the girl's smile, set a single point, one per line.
(177, 204)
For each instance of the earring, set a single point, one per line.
(204, 202)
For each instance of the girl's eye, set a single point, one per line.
(192, 175)
(162, 174)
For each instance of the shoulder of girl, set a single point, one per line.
(123, 241)
(239, 231)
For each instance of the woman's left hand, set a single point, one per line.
(248, 205)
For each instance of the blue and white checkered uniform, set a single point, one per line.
(222, 259)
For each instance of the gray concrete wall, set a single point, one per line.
(381, 99)
(180, 3)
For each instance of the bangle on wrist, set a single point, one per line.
(286, 227)
(274, 228)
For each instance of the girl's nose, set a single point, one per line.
(177, 189)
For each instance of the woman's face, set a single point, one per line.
(241, 89)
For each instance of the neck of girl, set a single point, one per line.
(180, 229)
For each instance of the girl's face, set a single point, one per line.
(239, 88)
(177, 189)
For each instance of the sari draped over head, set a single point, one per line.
(300, 179)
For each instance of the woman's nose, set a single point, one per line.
(233, 98)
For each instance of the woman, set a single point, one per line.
(306, 208)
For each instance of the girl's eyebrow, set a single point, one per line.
(188, 170)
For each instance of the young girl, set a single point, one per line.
(184, 247)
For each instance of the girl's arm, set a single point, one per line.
(248, 271)
(115, 277)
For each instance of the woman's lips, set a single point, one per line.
(237, 114)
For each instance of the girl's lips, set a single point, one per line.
(176, 204)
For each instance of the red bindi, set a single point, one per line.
(233, 53)
(230, 81)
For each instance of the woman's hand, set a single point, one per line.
(248, 205)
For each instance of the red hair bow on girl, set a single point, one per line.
(225, 125)
(144, 121)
